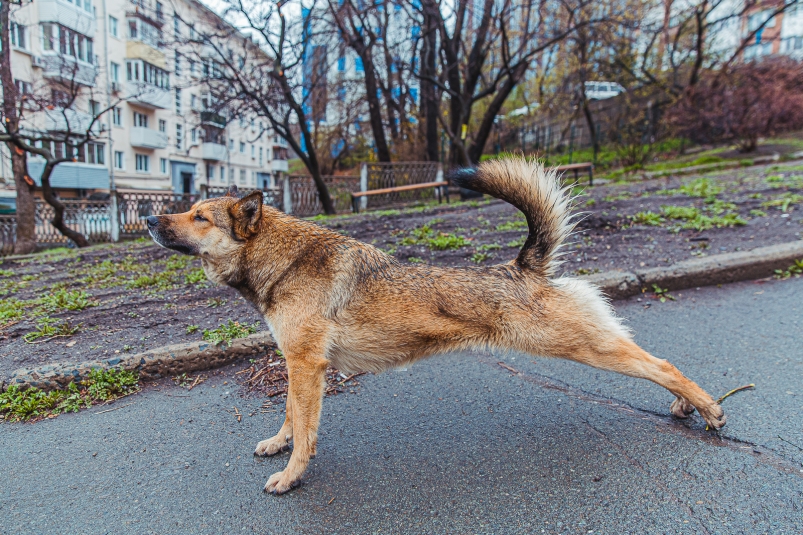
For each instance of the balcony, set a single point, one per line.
(278, 165)
(148, 96)
(213, 119)
(67, 69)
(214, 152)
(61, 120)
(67, 14)
(147, 138)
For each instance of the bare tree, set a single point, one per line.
(26, 205)
(55, 121)
(265, 76)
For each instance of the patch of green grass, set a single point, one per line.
(63, 299)
(795, 270)
(415, 260)
(479, 258)
(228, 332)
(518, 242)
(18, 404)
(195, 276)
(758, 213)
(192, 329)
(661, 293)
(444, 242)
(625, 195)
(215, 302)
(157, 281)
(11, 309)
(647, 218)
(517, 224)
(49, 328)
(6, 272)
(785, 201)
(680, 212)
(591, 202)
(701, 187)
(489, 247)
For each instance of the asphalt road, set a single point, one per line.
(457, 444)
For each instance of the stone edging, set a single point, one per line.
(717, 269)
(195, 356)
(165, 361)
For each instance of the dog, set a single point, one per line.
(331, 300)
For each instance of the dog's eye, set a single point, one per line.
(199, 217)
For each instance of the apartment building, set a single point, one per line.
(137, 60)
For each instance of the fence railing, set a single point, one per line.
(295, 194)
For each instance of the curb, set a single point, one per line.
(196, 356)
(160, 362)
(730, 267)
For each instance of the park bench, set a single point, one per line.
(441, 191)
(577, 167)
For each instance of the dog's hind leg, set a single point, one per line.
(625, 357)
(306, 368)
(581, 327)
(281, 441)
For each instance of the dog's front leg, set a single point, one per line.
(307, 374)
(281, 441)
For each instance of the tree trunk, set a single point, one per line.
(26, 203)
(429, 102)
(374, 107)
(58, 209)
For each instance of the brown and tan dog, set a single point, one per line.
(329, 299)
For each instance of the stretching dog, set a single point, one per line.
(329, 299)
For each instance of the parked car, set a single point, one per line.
(602, 90)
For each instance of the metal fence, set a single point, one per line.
(391, 175)
(93, 218)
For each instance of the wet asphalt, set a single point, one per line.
(457, 444)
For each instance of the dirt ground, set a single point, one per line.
(107, 300)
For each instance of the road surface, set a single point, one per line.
(456, 444)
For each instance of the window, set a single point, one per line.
(19, 37)
(223, 173)
(253, 178)
(162, 125)
(231, 144)
(178, 64)
(163, 165)
(112, 26)
(114, 71)
(242, 147)
(231, 175)
(143, 71)
(119, 160)
(178, 101)
(179, 136)
(193, 67)
(210, 172)
(142, 163)
(70, 43)
(242, 177)
(193, 102)
(94, 108)
(133, 29)
(253, 152)
(176, 29)
(117, 116)
(23, 88)
(193, 35)
(260, 155)
(140, 119)
(95, 153)
(194, 135)
(358, 66)
(159, 12)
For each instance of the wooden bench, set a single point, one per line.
(577, 167)
(441, 191)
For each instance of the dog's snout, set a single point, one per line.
(152, 221)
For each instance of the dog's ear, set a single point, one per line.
(246, 213)
(232, 191)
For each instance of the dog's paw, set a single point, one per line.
(681, 408)
(272, 446)
(713, 415)
(281, 482)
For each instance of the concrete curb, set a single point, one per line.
(730, 267)
(160, 362)
(196, 356)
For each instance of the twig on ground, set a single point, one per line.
(115, 408)
(238, 415)
(514, 371)
(745, 387)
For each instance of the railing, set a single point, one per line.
(270, 196)
(134, 206)
(8, 234)
(392, 175)
(306, 202)
(90, 218)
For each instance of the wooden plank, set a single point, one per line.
(408, 187)
(572, 166)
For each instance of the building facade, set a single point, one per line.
(156, 129)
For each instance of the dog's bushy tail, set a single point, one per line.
(535, 191)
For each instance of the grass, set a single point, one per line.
(647, 218)
(230, 331)
(784, 202)
(18, 404)
(479, 258)
(695, 219)
(795, 270)
(436, 241)
(49, 328)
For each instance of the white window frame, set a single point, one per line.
(119, 159)
(142, 163)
